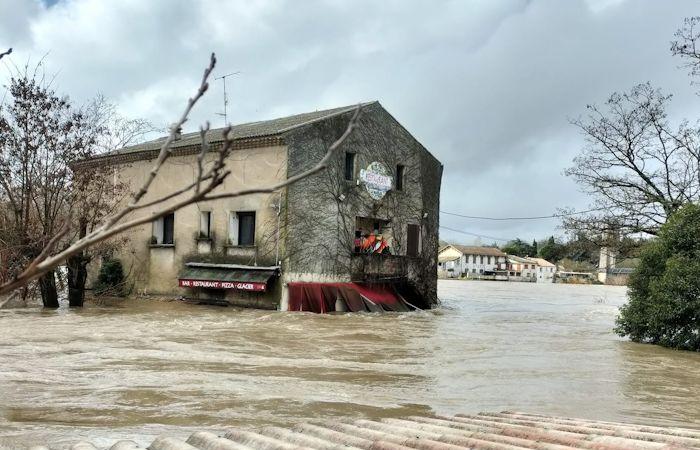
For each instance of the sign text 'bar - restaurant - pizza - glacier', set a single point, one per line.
(238, 285)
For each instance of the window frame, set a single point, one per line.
(240, 215)
(350, 163)
(205, 234)
(410, 246)
(163, 230)
(400, 172)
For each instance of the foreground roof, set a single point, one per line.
(260, 129)
(493, 431)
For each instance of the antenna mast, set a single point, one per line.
(225, 113)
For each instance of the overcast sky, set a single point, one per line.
(487, 86)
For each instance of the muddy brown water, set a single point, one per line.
(139, 368)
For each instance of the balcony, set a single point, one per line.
(374, 266)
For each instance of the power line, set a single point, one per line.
(551, 216)
(475, 235)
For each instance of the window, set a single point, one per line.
(399, 177)
(413, 240)
(205, 224)
(349, 166)
(164, 230)
(246, 228)
(481, 259)
(490, 259)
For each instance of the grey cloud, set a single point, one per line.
(486, 86)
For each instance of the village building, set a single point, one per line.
(545, 270)
(521, 269)
(360, 235)
(470, 261)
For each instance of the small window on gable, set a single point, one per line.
(399, 177)
(349, 166)
(205, 224)
(164, 230)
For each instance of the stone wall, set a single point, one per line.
(321, 211)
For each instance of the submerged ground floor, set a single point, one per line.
(383, 285)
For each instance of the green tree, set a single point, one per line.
(551, 250)
(664, 290)
(518, 247)
(110, 280)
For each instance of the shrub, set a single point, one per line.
(664, 290)
(110, 280)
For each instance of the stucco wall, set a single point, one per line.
(154, 270)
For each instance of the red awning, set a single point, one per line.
(322, 297)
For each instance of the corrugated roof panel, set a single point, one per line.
(488, 431)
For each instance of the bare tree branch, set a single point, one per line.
(9, 50)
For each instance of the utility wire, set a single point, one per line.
(475, 235)
(551, 216)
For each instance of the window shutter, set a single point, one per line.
(233, 228)
(158, 230)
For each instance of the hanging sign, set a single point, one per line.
(377, 180)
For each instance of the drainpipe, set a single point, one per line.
(277, 244)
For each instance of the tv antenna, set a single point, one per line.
(225, 113)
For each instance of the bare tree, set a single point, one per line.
(638, 168)
(39, 134)
(685, 45)
(210, 175)
(96, 194)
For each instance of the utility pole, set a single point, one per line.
(225, 113)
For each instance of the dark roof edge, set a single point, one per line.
(241, 143)
(326, 117)
(122, 158)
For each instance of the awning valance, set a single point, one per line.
(225, 276)
(322, 297)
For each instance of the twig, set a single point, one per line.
(9, 50)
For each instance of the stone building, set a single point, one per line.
(363, 232)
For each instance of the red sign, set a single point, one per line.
(238, 285)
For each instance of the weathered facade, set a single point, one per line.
(371, 217)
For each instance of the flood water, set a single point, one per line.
(141, 368)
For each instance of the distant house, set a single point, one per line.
(522, 267)
(545, 270)
(470, 261)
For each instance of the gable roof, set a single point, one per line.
(519, 259)
(541, 262)
(476, 250)
(251, 130)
